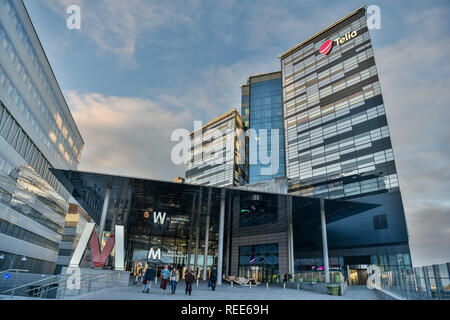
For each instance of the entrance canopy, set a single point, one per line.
(145, 195)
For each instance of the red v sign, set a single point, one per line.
(89, 236)
(99, 259)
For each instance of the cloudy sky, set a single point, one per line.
(137, 70)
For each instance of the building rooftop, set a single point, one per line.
(298, 46)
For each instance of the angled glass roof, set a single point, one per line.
(89, 190)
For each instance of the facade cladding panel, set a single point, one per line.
(262, 112)
(218, 156)
(338, 143)
(37, 133)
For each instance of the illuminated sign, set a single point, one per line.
(155, 254)
(179, 219)
(346, 37)
(159, 217)
(254, 260)
(325, 48)
(89, 235)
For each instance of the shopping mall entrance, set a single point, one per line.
(259, 273)
(358, 274)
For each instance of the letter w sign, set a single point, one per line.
(89, 235)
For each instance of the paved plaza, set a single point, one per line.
(224, 292)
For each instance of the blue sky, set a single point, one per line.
(137, 70)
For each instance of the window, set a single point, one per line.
(380, 222)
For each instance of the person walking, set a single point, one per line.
(189, 278)
(174, 277)
(165, 275)
(138, 273)
(148, 279)
(213, 278)
(285, 278)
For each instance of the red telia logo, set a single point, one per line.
(326, 47)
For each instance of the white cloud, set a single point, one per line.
(130, 136)
(415, 79)
(117, 26)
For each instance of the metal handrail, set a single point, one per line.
(28, 284)
(61, 282)
(15, 278)
(318, 275)
(48, 287)
(18, 270)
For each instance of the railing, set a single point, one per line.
(310, 276)
(60, 286)
(420, 283)
(16, 277)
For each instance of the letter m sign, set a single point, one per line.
(90, 236)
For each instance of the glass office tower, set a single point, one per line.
(37, 132)
(338, 143)
(218, 153)
(262, 113)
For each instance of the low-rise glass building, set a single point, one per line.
(244, 232)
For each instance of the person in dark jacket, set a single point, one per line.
(213, 279)
(189, 278)
(149, 276)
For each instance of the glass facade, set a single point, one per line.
(338, 144)
(37, 133)
(337, 138)
(218, 156)
(262, 113)
(167, 222)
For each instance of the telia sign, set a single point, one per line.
(325, 48)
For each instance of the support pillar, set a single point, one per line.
(221, 236)
(205, 253)
(104, 212)
(116, 207)
(227, 254)
(189, 244)
(197, 232)
(291, 268)
(324, 241)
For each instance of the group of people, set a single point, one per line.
(172, 276)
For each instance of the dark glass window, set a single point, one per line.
(258, 210)
(259, 255)
(380, 222)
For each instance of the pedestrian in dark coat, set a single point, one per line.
(213, 279)
(189, 278)
(149, 276)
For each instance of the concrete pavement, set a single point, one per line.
(224, 292)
